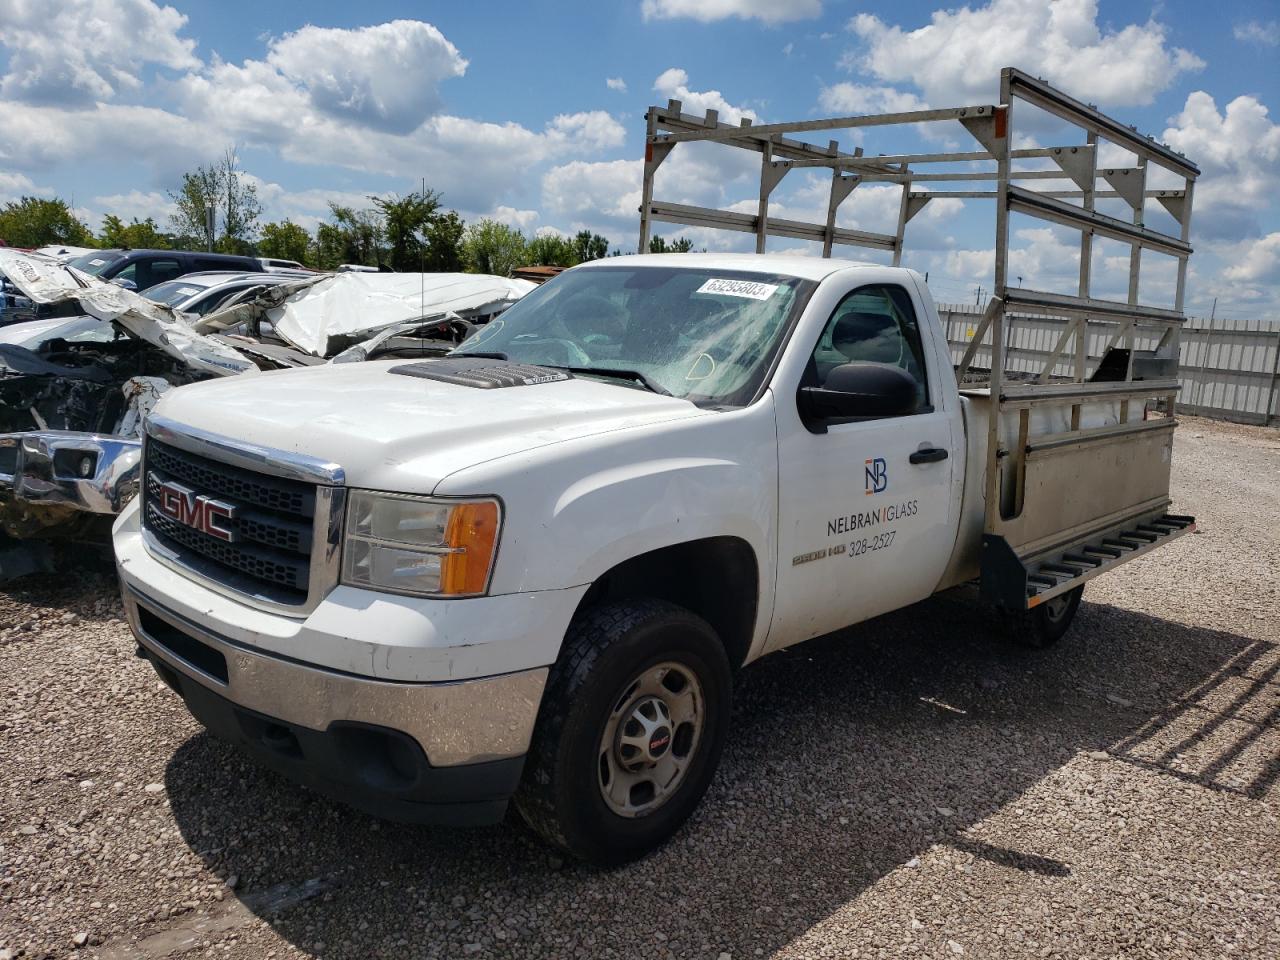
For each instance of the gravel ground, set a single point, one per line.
(914, 786)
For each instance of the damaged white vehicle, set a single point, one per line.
(74, 392)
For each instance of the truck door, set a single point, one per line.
(866, 508)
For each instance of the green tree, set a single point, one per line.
(589, 246)
(444, 244)
(35, 222)
(285, 241)
(405, 221)
(136, 235)
(660, 245)
(551, 250)
(354, 236)
(218, 206)
(492, 247)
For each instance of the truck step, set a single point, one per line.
(1088, 560)
(1006, 577)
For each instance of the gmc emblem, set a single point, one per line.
(181, 503)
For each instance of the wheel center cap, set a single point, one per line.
(659, 741)
(644, 737)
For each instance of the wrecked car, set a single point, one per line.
(74, 392)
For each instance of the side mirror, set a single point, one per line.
(861, 390)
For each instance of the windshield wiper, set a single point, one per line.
(633, 375)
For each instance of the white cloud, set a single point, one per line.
(674, 84)
(522, 220)
(16, 185)
(81, 51)
(707, 11)
(1264, 32)
(301, 104)
(1259, 263)
(616, 83)
(1238, 152)
(856, 98)
(306, 208)
(36, 137)
(593, 130)
(609, 189)
(958, 56)
(385, 76)
(255, 104)
(138, 205)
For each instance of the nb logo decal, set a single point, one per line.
(877, 475)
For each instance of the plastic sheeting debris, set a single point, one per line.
(347, 307)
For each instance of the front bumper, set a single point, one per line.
(57, 474)
(418, 752)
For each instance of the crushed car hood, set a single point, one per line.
(44, 281)
(313, 313)
(396, 432)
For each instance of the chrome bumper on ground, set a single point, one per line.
(464, 722)
(88, 472)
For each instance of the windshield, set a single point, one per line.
(174, 292)
(700, 334)
(76, 330)
(97, 261)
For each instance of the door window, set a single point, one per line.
(873, 324)
(212, 263)
(151, 272)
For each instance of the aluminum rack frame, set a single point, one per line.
(1021, 469)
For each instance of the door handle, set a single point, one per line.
(928, 455)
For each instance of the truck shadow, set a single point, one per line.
(852, 756)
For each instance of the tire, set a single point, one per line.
(574, 792)
(1043, 626)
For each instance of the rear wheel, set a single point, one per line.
(630, 732)
(1044, 625)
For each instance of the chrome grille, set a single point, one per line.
(272, 523)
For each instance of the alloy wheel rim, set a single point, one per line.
(650, 739)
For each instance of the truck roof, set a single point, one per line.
(789, 265)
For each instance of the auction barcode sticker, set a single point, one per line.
(739, 288)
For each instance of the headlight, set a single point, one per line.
(428, 548)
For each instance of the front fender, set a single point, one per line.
(575, 510)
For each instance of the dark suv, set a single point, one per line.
(141, 269)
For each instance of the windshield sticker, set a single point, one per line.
(702, 368)
(96, 262)
(739, 288)
(188, 291)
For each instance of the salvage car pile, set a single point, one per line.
(74, 392)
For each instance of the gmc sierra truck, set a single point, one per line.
(530, 570)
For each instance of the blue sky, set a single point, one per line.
(533, 113)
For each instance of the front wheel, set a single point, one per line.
(632, 724)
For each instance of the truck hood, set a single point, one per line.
(402, 433)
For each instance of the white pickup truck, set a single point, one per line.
(533, 567)
(530, 570)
